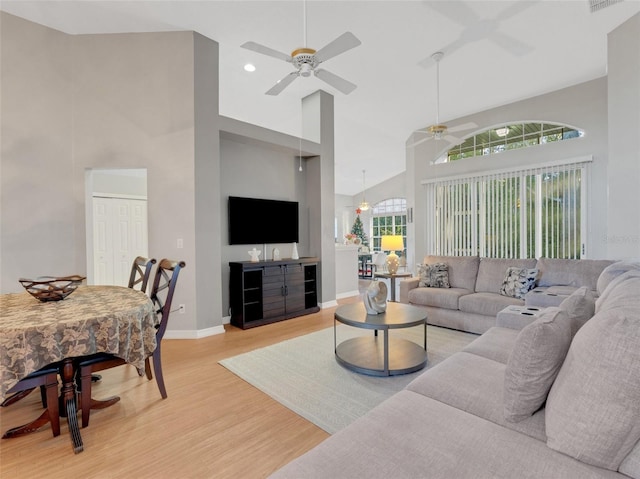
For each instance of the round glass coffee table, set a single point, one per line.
(375, 356)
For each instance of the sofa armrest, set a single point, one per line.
(407, 285)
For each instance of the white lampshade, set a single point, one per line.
(392, 243)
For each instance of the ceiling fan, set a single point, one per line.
(476, 28)
(306, 60)
(439, 131)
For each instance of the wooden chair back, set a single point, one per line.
(141, 272)
(164, 285)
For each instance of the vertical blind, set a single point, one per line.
(527, 213)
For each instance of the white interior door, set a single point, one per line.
(120, 234)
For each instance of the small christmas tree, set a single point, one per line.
(358, 230)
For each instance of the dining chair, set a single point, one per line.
(141, 272)
(47, 379)
(164, 285)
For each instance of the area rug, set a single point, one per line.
(303, 375)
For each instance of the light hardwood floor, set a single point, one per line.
(212, 425)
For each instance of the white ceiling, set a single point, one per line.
(496, 52)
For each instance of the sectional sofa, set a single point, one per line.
(473, 300)
(539, 402)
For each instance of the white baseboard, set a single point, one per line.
(189, 334)
(348, 294)
(328, 304)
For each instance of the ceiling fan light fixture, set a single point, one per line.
(364, 206)
(437, 131)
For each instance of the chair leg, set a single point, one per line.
(147, 368)
(51, 395)
(85, 394)
(157, 368)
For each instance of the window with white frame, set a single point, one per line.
(388, 217)
(526, 213)
(510, 136)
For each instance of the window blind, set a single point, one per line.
(525, 213)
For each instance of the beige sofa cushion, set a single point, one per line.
(463, 270)
(593, 407)
(496, 344)
(570, 272)
(474, 384)
(446, 298)
(534, 362)
(614, 270)
(580, 307)
(622, 292)
(488, 304)
(491, 272)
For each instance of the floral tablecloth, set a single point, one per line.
(92, 319)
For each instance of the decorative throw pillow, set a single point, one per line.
(518, 282)
(580, 307)
(434, 275)
(538, 353)
(593, 407)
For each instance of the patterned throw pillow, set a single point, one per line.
(434, 275)
(518, 282)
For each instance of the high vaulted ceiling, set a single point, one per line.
(496, 52)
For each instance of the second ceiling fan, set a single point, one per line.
(306, 60)
(440, 131)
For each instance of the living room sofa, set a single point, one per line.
(456, 420)
(473, 300)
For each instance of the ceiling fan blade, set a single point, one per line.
(458, 12)
(452, 139)
(464, 126)
(511, 44)
(514, 9)
(282, 84)
(344, 42)
(256, 47)
(419, 142)
(335, 81)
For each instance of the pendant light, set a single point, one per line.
(364, 206)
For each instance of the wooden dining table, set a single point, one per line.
(93, 319)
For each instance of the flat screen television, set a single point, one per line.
(261, 221)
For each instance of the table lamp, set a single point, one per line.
(392, 243)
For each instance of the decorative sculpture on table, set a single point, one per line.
(294, 251)
(255, 255)
(375, 298)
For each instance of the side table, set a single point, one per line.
(392, 279)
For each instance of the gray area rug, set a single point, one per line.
(303, 375)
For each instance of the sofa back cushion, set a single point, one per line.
(614, 270)
(593, 407)
(463, 270)
(622, 292)
(492, 271)
(580, 307)
(571, 272)
(534, 362)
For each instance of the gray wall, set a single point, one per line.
(258, 172)
(583, 106)
(622, 237)
(71, 103)
(39, 195)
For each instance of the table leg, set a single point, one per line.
(68, 397)
(386, 351)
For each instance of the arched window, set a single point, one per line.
(388, 217)
(509, 136)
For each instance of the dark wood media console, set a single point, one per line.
(270, 291)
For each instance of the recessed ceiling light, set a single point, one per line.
(249, 67)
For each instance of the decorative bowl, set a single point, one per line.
(51, 288)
